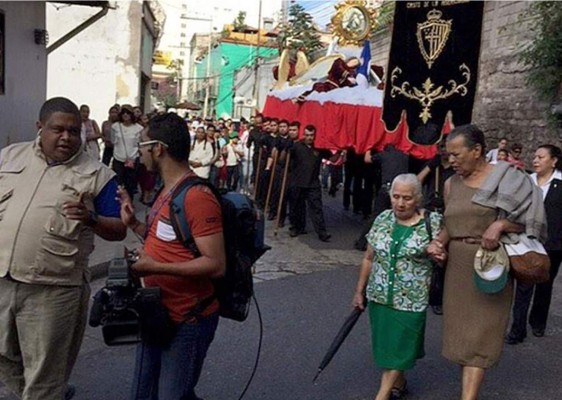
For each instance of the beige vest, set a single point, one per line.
(38, 244)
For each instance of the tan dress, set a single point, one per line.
(474, 323)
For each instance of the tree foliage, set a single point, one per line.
(239, 23)
(386, 15)
(544, 53)
(299, 32)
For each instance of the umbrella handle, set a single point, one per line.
(317, 375)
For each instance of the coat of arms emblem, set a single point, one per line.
(432, 36)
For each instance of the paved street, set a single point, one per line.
(304, 289)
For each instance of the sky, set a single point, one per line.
(321, 10)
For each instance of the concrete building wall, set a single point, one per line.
(101, 66)
(244, 102)
(25, 71)
(505, 105)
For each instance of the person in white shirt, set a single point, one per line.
(201, 154)
(547, 176)
(234, 152)
(492, 155)
(125, 136)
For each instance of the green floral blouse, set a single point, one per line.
(401, 271)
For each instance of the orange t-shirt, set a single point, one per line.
(181, 294)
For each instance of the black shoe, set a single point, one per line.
(399, 393)
(538, 332)
(513, 339)
(271, 217)
(69, 392)
(293, 232)
(325, 237)
(437, 310)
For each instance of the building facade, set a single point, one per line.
(108, 62)
(23, 69)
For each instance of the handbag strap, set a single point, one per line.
(427, 221)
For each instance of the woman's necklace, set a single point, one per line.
(410, 221)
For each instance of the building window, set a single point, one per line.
(183, 26)
(182, 44)
(184, 6)
(182, 53)
(182, 34)
(2, 54)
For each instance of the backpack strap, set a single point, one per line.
(178, 215)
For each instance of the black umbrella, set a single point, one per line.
(338, 340)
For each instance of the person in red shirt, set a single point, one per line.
(172, 370)
(514, 157)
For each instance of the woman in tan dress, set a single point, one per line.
(474, 323)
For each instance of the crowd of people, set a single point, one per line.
(423, 235)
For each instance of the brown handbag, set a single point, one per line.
(529, 261)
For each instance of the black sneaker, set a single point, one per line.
(538, 332)
(325, 237)
(437, 310)
(513, 339)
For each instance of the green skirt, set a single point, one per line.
(398, 336)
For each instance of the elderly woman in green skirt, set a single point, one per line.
(394, 278)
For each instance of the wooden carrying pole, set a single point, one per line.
(257, 180)
(282, 194)
(271, 179)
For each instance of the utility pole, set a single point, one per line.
(256, 91)
(208, 80)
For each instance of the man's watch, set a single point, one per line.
(93, 218)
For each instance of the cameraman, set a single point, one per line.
(170, 371)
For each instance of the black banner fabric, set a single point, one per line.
(433, 66)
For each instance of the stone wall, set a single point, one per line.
(505, 105)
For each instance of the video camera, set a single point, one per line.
(123, 305)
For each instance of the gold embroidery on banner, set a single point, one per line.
(427, 96)
(432, 36)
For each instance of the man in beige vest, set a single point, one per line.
(53, 199)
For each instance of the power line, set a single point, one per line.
(319, 7)
(324, 13)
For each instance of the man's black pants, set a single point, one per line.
(541, 301)
(381, 203)
(303, 197)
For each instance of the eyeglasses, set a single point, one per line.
(151, 142)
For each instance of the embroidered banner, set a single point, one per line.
(433, 66)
